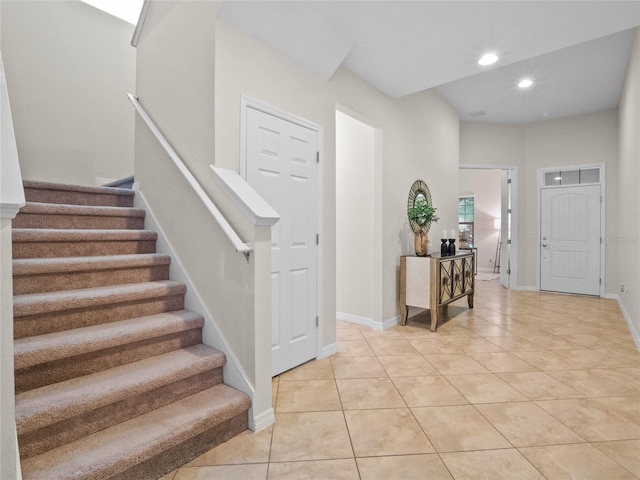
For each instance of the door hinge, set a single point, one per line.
(600, 281)
(317, 157)
(317, 321)
(508, 242)
(317, 239)
(508, 180)
(508, 272)
(508, 210)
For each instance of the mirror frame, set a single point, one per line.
(419, 187)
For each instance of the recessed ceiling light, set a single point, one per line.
(488, 59)
(525, 83)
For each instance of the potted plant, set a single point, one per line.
(421, 215)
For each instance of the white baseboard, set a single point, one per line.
(632, 328)
(329, 350)
(368, 322)
(262, 420)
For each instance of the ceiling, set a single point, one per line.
(575, 51)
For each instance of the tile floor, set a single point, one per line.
(526, 385)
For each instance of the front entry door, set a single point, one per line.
(282, 167)
(570, 239)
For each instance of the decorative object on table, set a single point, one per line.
(444, 248)
(452, 242)
(421, 214)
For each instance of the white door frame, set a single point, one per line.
(603, 199)
(248, 102)
(513, 249)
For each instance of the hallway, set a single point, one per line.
(526, 385)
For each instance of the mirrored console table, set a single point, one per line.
(435, 281)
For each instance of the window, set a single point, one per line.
(465, 221)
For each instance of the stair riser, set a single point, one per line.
(51, 282)
(97, 222)
(52, 436)
(77, 198)
(79, 365)
(168, 460)
(81, 249)
(40, 324)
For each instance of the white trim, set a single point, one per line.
(234, 375)
(139, 26)
(247, 102)
(261, 421)
(246, 198)
(603, 197)
(632, 329)
(369, 322)
(329, 350)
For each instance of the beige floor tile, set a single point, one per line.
(430, 346)
(628, 357)
(469, 345)
(308, 396)
(343, 469)
(358, 394)
(455, 364)
(514, 344)
(546, 360)
(539, 386)
(592, 384)
(313, 370)
(224, 472)
(357, 367)
(500, 362)
(248, 447)
(310, 436)
(624, 376)
(345, 324)
(588, 358)
(168, 476)
(428, 391)
(353, 348)
(407, 366)
(625, 452)
(485, 388)
(394, 346)
(525, 424)
(343, 334)
(457, 428)
(405, 467)
(598, 419)
(490, 465)
(386, 432)
(488, 330)
(390, 334)
(275, 382)
(582, 462)
(588, 340)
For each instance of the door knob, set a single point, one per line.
(544, 245)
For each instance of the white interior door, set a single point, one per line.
(282, 167)
(570, 239)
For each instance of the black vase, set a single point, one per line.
(444, 248)
(452, 246)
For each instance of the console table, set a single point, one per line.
(435, 281)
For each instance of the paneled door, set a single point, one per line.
(282, 167)
(570, 239)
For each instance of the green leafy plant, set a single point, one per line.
(421, 214)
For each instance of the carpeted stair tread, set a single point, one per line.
(84, 210)
(39, 303)
(80, 235)
(35, 266)
(36, 191)
(49, 347)
(50, 404)
(119, 448)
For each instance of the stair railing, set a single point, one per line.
(238, 244)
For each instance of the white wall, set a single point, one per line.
(419, 140)
(625, 240)
(485, 185)
(577, 140)
(354, 217)
(69, 67)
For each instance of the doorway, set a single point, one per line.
(281, 156)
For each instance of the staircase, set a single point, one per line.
(112, 378)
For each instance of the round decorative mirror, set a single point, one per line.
(419, 192)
